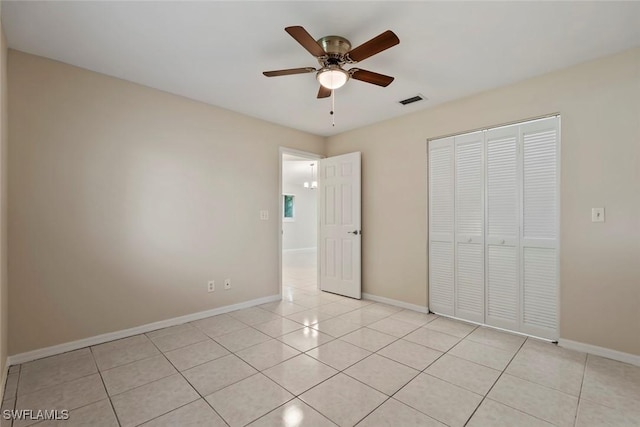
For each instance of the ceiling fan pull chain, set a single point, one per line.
(333, 108)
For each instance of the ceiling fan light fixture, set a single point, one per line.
(332, 77)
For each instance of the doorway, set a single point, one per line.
(299, 221)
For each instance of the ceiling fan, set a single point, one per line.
(333, 52)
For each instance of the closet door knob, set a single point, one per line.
(502, 242)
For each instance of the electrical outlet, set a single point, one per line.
(211, 286)
(227, 284)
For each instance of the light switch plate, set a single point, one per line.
(264, 215)
(597, 214)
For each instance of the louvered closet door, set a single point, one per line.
(539, 268)
(502, 297)
(441, 226)
(469, 226)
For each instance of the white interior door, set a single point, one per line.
(502, 212)
(441, 226)
(469, 226)
(539, 231)
(339, 236)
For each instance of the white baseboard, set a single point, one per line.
(600, 351)
(99, 339)
(396, 303)
(300, 250)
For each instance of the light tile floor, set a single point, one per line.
(317, 359)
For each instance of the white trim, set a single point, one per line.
(620, 356)
(300, 250)
(395, 302)
(99, 339)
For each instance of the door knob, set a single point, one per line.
(354, 232)
(469, 240)
(502, 242)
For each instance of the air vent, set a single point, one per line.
(412, 100)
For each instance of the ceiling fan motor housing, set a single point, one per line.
(336, 48)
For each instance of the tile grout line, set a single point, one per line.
(105, 387)
(584, 374)
(303, 402)
(278, 385)
(302, 352)
(342, 371)
(272, 366)
(388, 397)
(15, 398)
(258, 371)
(20, 372)
(366, 357)
(541, 384)
(297, 396)
(190, 385)
(504, 371)
(200, 364)
(423, 372)
(494, 383)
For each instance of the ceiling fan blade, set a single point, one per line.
(376, 45)
(304, 38)
(323, 92)
(371, 77)
(289, 71)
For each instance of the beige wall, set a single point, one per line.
(4, 137)
(600, 263)
(124, 201)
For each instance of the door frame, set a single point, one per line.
(307, 155)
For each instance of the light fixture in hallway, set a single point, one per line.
(313, 184)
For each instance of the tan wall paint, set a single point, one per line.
(4, 137)
(600, 263)
(124, 201)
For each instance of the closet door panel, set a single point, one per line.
(502, 286)
(502, 184)
(539, 314)
(470, 281)
(494, 227)
(441, 226)
(469, 226)
(502, 243)
(540, 158)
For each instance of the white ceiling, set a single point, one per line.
(215, 52)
